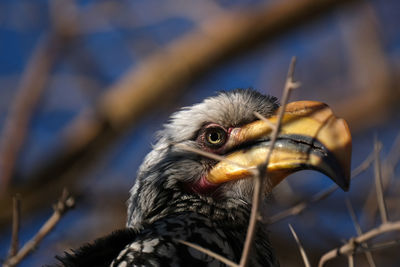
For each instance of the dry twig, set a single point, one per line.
(387, 173)
(351, 246)
(260, 180)
(209, 253)
(301, 248)
(378, 182)
(15, 226)
(357, 226)
(213, 156)
(65, 203)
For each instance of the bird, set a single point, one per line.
(183, 195)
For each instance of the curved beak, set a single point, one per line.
(311, 137)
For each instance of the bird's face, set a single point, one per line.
(311, 137)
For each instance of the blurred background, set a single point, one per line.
(84, 86)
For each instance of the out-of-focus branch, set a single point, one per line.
(15, 226)
(29, 92)
(373, 76)
(378, 183)
(65, 203)
(161, 78)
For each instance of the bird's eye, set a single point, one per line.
(215, 137)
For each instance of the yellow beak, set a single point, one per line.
(311, 137)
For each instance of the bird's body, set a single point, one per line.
(180, 195)
(219, 227)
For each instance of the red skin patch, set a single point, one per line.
(203, 187)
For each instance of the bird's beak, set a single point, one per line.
(311, 137)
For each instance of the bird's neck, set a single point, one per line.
(234, 211)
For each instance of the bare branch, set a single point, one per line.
(388, 167)
(378, 182)
(214, 156)
(209, 253)
(351, 246)
(65, 203)
(260, 179)
(29, 92)
(350, 259)
(301, 248)
(15, 226)
(261, 117)
(378, 246)
(357, 226)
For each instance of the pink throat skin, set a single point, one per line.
(203, 186)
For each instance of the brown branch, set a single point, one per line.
(213, 156)
(300, 207)
(350, 260)
(29, 92)
(301, 248)
(28, 95)
(260, 180)
(357, 226)
(65, 203)
(379, 246)
(15, 226)
(182, 62)
(209, 253)
(351, 246)
(388, 166)
(378, 182)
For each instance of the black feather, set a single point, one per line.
(99, 253)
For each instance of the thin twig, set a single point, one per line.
(378, 183)
(350, 260)
(260, 179)
(213, 156)
(65, 203)
(378, 246)
(15, 225)
(300, 207)
(351, 246)
(357, 226)
(388, 166)
(261, 117)
(301, 248)
(209, 253)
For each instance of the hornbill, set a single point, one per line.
(182, 195)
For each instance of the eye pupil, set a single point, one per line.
(215, 137)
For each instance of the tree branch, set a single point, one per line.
(64, 204)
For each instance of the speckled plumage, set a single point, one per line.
(161, 210)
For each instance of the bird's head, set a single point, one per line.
(311, 137)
